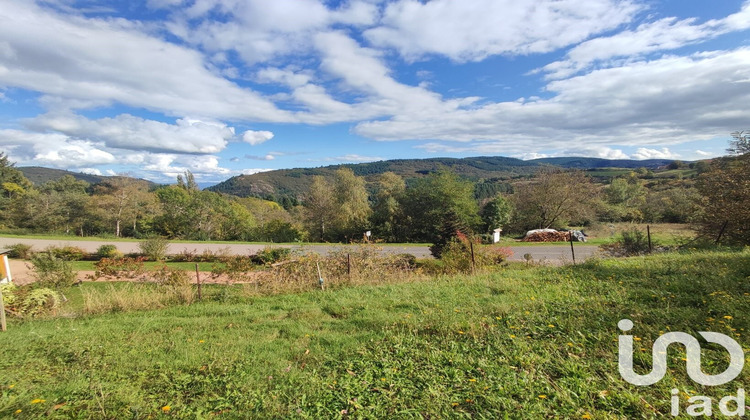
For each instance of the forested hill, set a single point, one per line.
(39, 175)
(597, 163)
(284, 184)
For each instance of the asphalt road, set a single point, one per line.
(554, 254)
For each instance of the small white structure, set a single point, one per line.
(496, 235)
(5, 276)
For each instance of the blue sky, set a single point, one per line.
(224, 87)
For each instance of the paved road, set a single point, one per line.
(548, 253)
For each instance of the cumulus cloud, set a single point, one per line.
(355, 158)
(663, 153)
(473, 30)
(118, 62)
(266, 157)
(663, 34)
(667, 101)
(134, 133)
(256, 137)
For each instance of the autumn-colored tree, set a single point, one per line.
(554, 199)
(726, 206)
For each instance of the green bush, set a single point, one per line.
(28, 300)
(52, 271)
(67, 253)
(20, 251)
(629, 243)
(154, 248)
(270, 255)
(108, 251)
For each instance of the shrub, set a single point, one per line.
(29, 301)
(52, 271)
(20, 251)
(154, 248)
(122, 266)
(176, 282)
(67, 253)
(171, 277)
(270, 255)
(235, 267)
(108, 251)
(630, 242)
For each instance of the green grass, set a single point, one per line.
(521, 343)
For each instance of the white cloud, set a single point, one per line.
(355, 158)
(644, 153)
(53, 149)
(134, 133)
(664, 34)
(665, 101)
(702, 153)
(118, 62)
(256, 137)
(260, 30)
(266, 157)
(473, 30)
(91, 171)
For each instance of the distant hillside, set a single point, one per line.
(39, 175)
(597, 163)
(293, 183)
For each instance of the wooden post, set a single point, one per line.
(572, 250)
(349, 266)
(473, 261)
(320, 277)
(3, 327)
(648, 233)
(721, 232)
(198, 280)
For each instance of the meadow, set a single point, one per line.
(520, 341)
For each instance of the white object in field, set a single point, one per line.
(496, 235)
(5, 276)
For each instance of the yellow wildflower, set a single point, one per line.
(166, 408)
(37, 401)
(542, 397)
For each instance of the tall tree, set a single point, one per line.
(353, 206)
(439, 205)
(496, 213)
(554, 199)
(387, 207)
(726, 190)
(740, 143)
(320, 208)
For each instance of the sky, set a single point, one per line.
(152, 88)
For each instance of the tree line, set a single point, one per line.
(342, 208)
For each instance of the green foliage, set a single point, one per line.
(629, 243)
(155, 249)
(52, 271)
(67, 252)
(496, 213)
(20, 251)
(29, 301)
(108, 251)
(438, 206)
(271, 255)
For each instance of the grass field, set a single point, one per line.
(524, 342)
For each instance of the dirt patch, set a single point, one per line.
(23, 273)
